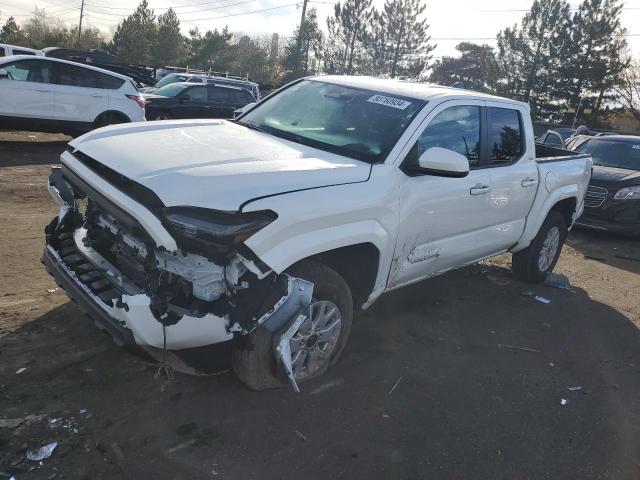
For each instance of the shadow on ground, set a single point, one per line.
(26, 148)
(462, 406)
(619, 251)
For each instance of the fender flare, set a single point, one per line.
(540, 211)
(281, 256)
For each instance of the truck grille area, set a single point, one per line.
(595, 196)
(86, 272)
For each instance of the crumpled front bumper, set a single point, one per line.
(124, 310)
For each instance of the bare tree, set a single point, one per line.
(628, 90)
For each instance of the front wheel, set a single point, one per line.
(161, 115)
(535, 262)
(314, 347)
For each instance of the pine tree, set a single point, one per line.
(529, 54)
(593, 57)
(168, 48)
(347, 32)
(476, 67)
(11, 33)
(135, 36)
(302, 55)
(399, 43)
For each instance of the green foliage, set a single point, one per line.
(303, 54)
(10, 33)
(345, 48)
(400, 45)
(169, 45)
(135, 37)
(476, 67)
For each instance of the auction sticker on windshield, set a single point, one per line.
(389, 101)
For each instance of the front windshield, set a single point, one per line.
(361, 124)
(171, 78)
(612, 153)
(170, 90)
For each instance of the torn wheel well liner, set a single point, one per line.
(566, 207)
(357, 264)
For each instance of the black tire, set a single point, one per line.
(255, 361)
(160, 115)
(109, 118)
(526, 264)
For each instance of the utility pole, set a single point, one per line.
(80, 23)
(300, 33)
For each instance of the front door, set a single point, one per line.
(27, 91)
(442, 219)
(194, 103)
(78, 96)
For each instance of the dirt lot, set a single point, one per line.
(424, 389)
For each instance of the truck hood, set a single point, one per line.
(214, 163)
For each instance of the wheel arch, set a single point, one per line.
(563, 200)
(117, 113)
(358, 264)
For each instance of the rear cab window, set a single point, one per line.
(22, 52)
(2, 53)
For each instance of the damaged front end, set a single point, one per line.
(211, 289)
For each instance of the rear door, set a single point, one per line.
(27, 92)
(513, 175)
(78, 96)
(222, 101)
(193, 102)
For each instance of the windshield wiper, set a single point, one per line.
(252, 126)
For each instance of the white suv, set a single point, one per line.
(47, 94)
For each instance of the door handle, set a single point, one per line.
(479, 189)
(529, 182)
(43, 91)
(97, 96)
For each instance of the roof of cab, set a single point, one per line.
(59, 60)
(424, 91)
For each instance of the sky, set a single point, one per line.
(451, 21)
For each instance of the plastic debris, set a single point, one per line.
(301, 436)
(500, 345)
(557, 280)
(52, 290)
(42, 452)
(542, 299)
(20, 370)
(563, 401)
(574, 389)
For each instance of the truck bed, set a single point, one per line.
(547, 153)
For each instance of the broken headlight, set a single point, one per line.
(212, 233)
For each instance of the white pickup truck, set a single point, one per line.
(260, 236)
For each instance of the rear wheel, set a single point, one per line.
(110, 118)
(161, 115)
(535, 262)
(316, 345)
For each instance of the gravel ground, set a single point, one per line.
(428, 387)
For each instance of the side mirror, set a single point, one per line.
(185, 98)
(444, 162)
(4, 73)
(244, 109)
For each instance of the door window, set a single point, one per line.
(219, 95)
(197, 94)
(2, 54)
(29, 71)
(506, 141)
(455, 128)
(76, 76)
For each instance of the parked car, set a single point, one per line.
(269, 231)
(45, 94)
(252, 87)
(553, 138)
(188, 100)
(613, 197)
(10, 50)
